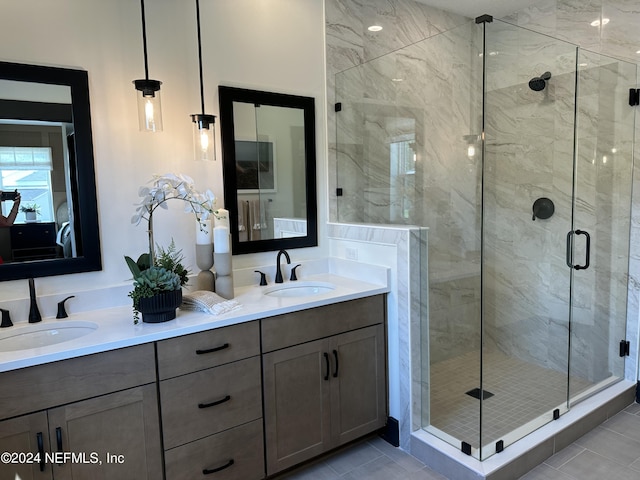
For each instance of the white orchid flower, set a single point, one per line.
(172, 186)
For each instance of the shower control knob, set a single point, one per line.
(543, 208)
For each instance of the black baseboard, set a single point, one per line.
(391, 432)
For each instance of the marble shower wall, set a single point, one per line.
(350, 44)
(529, 145)
(571, 20)
(389, 102)
(451, 208)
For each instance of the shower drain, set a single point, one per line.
(475, 393)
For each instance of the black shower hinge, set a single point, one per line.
(465, 448)
(338, 107)
(634, 96)
(625, 348)
(556, 414)
(499, 446)
(338, 192)
(484, 19)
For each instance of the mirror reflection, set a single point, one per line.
(46, 173)
(268, 145)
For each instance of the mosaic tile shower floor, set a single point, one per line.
(521, 392)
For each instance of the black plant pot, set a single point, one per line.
(161, 307)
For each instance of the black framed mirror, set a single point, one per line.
(269, 166)
(45, 114)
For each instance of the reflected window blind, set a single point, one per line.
(25, 158)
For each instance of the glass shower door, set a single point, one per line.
(527, 211)
(602, 214)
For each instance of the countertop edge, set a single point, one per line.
(116, 329)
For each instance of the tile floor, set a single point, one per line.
(611, 450)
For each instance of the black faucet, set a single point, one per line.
(278, 272)
(6, 319)
(34, 313)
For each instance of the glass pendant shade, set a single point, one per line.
(204, 139)
(149, 107)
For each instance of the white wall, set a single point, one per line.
(274, 45)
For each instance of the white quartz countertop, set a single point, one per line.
(117, 330)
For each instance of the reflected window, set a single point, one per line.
(28, 170)
(402, 169)
(403, 158)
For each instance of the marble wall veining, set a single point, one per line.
(571, 20)
(529, 154)
(413, 85)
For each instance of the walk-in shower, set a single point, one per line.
(468, 134)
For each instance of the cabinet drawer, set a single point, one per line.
(298, 327)
(238, 453)
(52, 384)
(198, 351)
(209, 401)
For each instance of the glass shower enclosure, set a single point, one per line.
(514, 150)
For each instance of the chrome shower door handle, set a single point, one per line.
(588, 250)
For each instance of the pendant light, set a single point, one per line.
(149, 110)
(203, 124)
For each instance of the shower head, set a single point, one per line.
(537, 84)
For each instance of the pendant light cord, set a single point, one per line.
(200, 55)
(144, 41)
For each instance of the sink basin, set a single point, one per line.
(43, 334)
(299, 289)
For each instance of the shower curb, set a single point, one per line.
(532, 450)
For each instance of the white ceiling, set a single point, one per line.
(474, 8)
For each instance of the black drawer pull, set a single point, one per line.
(208, 471)
(40, 450)
(213, 404)
(211, 350)
(335, 355)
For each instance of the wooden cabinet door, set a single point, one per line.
(358, 383)
(296, 400)
(21, 436)
(114, 437)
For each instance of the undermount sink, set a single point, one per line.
(299, 289)
(43, 334)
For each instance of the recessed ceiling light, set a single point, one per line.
(374, 28)
(637, 51)
(597, 23)
(396, 79)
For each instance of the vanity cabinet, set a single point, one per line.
(324, 379)
(107, 418)
(211, 403)
(27, 434)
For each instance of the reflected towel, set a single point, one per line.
(264, 205)
(254, 220)
(243, 234)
